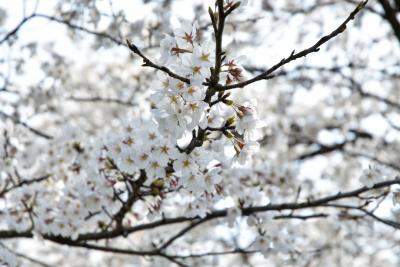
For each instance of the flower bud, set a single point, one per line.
(246, 110)
(227, 95)
(227, 102)
(230, 121)
(158, 183)
(228, 134)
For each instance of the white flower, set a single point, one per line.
(262, 244)
(166, 46)
(130, 140)
(164, 151)
(194, 69)
(214, 118)
(246, 151)
(197, 208)
(211, 178)
(195, 111)
(203, 55)
(155, 169)
(114, 147)
(174, 125)
(201, 156)
(177, 87)
(221, 149)
(233, 213)
(372, 175)
(126, 162)
(142, 158)
(185, 164)
(130, 127)
(185, 35)
(171, 104)
(148, 135)
(61, 227)
(193, 93)
(162, 83)
(193, 183)
(247, 119)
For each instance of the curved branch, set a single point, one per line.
(16, 29)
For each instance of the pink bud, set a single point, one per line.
(246, 110)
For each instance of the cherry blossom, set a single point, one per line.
(174, 163)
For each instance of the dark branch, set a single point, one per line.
(25, 125)
(324, 149)
(391, 16)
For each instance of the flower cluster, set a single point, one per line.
(187, 145)
(183, 110)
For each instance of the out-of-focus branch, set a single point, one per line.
(213, 253)
(319, 5)
(22, 183)
(325, 149)
(27, 258)
(61, 21)
(373, 158)
(339, 70)
(80, 28)
(101, 100)
(180, 233)
(25, 125)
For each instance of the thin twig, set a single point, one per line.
(148, 63)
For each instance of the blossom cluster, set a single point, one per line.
(188, 144)
(162, 146)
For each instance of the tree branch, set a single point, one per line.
(293, 56)
(101, 100)
(212, 215)
(16, 29)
